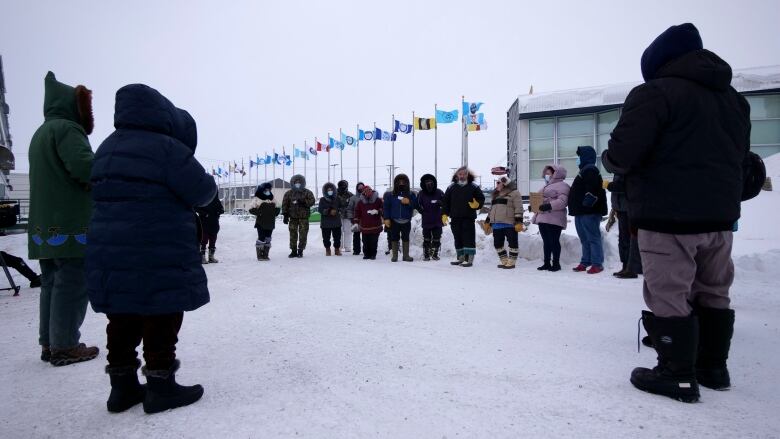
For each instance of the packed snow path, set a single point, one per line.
(340, 347)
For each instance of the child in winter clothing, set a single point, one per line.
(344, 195)
(587, 204)
(209, 221)
(368, 217)
(399, 208)
(295, 209)
(551, 217)
(429, 202)
(265, 211)
(351, 205)
(145, 278)
(462, 200)
(330, 223)
(506, 220)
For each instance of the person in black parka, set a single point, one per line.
(209, 221)
(330, 218)
(587, 204)
(142, 262)
(462, 200)
(265, 211)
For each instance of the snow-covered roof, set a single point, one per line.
(744, 80)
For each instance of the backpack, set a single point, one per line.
(753, 176)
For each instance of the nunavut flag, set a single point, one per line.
(423, 123)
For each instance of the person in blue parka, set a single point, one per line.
(399, 206)
(143, 264)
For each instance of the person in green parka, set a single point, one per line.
(60, 209)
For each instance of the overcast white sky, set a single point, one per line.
(262, 75)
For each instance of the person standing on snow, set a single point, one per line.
(588, 204)
(60, 207)
(398, 210)
(265, 211)
(145, 278)
(506, 220)
(351, 205)
(627, 246)
(429, 202)
(551, 217)
(368, 217)
(344, 195)
(462, 200)
(209, 221)
(296, 205)
(685, 125)
(330, 222)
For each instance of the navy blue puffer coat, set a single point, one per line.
(142, 253)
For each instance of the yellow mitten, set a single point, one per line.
(604, 184)
(474, 204)
(445, 219)
(388, 223)
(519, 227)
(405, 201)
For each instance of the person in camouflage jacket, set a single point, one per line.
(296, 208)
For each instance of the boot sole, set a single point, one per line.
(119, 408)
(682, 398)
(164, 403)
(59, 362)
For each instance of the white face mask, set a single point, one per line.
(330, 193)
(547, 177)
(297, 185)
(267, 193)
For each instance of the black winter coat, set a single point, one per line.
(265, 214)
(680, 143)
(456, 200)
(209, 216)
(328, 218)
(587, 181)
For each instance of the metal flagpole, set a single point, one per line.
(328, 148)
(341, 156)
(435, 144)
(295, 154)
(273, 169)
(411, 183)
(284, 165)
(392, 151)
(316, 168)
(357, 145)
(305, 158)
(374, 136)
(464, 153)
(265, 166)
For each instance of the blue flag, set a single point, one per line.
(401, 127)
(366, 135)
(384, 135)
(312, 151)
(333, 143)
(348, 140)
(470, 108)
(446, 116)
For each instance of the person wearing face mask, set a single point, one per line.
(588, 204)
(368, 216)
(295, 210)
(209, 220)
(551, 217)
(399, 205)
(329, 207)
(354, 226)
(506, 220)
(344, 195)
(462, 200)
(429, 202)
(265, 210)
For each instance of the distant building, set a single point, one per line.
(547, 128)
(7, 161)
(239, 195)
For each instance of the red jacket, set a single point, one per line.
(370, 223)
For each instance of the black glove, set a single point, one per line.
(286, 219)
(546, 207)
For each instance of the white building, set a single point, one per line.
(548, 127)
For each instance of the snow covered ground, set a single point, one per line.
(340, 347)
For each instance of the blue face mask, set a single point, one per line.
(297, 185)
(578, 162)
(267, 193)
(547, 177)
(330, 193)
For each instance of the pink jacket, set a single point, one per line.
(556, 193)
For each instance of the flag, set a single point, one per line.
(384, 135)
(422, 124)
(471, 107)
(268, 159)
(366, 135)
(257, 160)
(251, 164)
(321, 148)
(401, 127)
(348, 140)
(297, 152)
(446, 116)
(333, 143)
(476, 122)
(213, 172)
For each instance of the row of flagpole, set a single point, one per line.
(473, 122)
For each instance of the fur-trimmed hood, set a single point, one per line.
(299, 179)
(61, 101)
(425, 178)
(327, 186)
(471, 177)
(401, 179)
(259, 193)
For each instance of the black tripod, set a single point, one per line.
(13, 287)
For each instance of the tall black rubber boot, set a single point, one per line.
(716, 327)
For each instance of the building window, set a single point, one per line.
(607, 122)
(541, 145)
(765, 121)
(573, 131)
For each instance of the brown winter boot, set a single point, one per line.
(327, 251)
(503, 259)
(512, 259)
(63, 357)
(338, 251)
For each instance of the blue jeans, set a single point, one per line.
(589, 231)
(63, 302)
